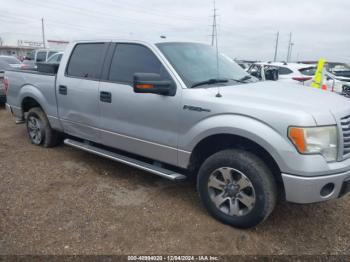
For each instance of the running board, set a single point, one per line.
(166, 173)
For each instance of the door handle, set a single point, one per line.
(105, 97)
(62, 90)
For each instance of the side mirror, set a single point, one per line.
(271, 74)
(153, 84)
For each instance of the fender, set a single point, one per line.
(47, 103)
(250, 128)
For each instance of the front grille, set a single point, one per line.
(345, 125)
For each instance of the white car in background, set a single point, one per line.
(338, 84)
(287, 72)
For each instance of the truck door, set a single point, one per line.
(77, 91)
(143, 124)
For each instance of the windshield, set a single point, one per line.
(196, 63)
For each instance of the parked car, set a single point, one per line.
(55, 58)
(179, 110)
(2, 88)
(37, 56)
(288, 72)
(263, 72)
(8, 62)
(338, 84)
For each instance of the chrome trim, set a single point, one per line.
(126, 160)
(54, 117)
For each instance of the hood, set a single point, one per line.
(324, 106)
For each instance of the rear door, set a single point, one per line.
(77, 91)
(143, 124)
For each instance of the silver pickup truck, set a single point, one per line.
(180, 110)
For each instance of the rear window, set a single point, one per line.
(10, 60)
(86, 61)
(41, 56)
(309, 71)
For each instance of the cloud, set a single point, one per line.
(247, 29)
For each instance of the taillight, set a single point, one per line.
(24, 66)
(6, 83)
(301, 78)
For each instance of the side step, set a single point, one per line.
(126, 160)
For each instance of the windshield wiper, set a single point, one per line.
(210, 82)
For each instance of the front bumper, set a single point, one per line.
(305, 190)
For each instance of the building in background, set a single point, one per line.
(58, 45)
(20, 44)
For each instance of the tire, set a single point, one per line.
(39, 129)
(237, 188)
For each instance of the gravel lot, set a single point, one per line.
(65, 201)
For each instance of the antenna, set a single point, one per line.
(214, 32)
(276, 47)
(214, 36)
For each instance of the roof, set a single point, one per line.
(134, 41)
(290, 65)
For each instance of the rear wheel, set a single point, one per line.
(237, 188)
(39, 129)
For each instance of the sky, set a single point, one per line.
(246, 28)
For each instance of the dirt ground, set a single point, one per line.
(65, 201)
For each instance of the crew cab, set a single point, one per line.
(181, 110)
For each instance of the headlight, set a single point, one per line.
(315, 140)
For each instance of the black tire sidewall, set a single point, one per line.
(38, 114)
(251, 167)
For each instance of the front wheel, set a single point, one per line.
(237, 188)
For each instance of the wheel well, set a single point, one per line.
(215, 143)
(29, 103)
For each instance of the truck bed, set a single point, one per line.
(33, 84)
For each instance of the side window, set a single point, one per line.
(309, 71)
(59, 57)
(129, 59)
(255, 70)
(51, 53)
(284, 71)
(41, 56)
(86, 61)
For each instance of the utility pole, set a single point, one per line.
(214, 30)
(289, 45)
(276, 47)
(290, 53)
(43, 32)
